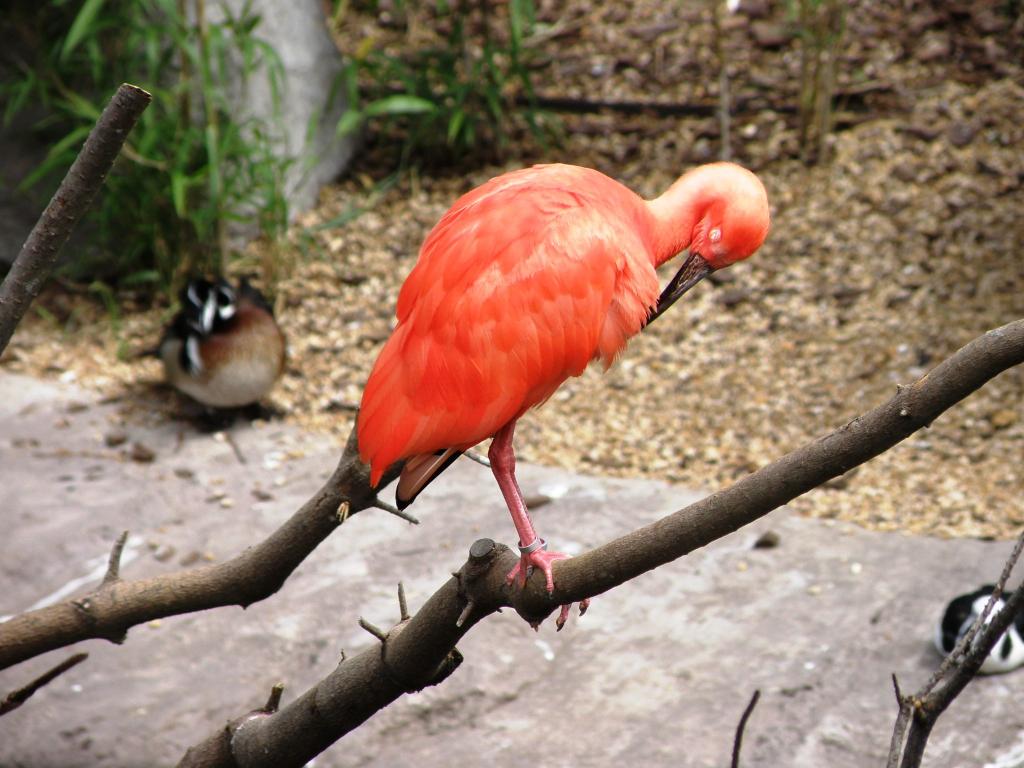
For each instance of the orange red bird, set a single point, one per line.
(520, 285)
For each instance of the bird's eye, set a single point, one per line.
(715, 235)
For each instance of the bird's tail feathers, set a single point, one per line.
(419, 472)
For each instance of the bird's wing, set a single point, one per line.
(515, 290)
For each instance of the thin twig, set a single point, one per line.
(393, 510)
(230, 440)
(15, 699)
(72, 199)
(373, 629)
(465, 613)
(479, 458)
(274, 701)
(738, 741)
(114, 562)
(899, 730)
(403, 606)
(966, 643)
(921, 710)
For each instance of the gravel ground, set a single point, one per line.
(901, 250)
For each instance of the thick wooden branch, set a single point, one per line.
(414, 654)
(116, 605)
(421, 651)
(72, 199)
(796, 473)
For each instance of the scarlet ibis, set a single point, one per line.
(523, 282)
(224, 348)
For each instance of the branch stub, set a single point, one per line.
(481, 550)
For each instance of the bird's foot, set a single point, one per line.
(535, 555)
(563, 614)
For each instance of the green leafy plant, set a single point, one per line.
(820, 25)
(459, 93)
(191, 168)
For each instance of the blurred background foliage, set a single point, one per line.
(452, 101)
(194, 169)
(190, 167)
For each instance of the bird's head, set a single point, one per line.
(207, 305)
(720, 213)
(733, 214)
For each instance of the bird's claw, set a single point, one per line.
(563, 614)
(543, 559)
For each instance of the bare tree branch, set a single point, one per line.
(260, 571)
(921, 710)
(116, 605)
(421, 651)
(775, 484)
(15, 699)
(899, 731)
(414, 654)
(72, 199)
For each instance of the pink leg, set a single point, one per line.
(503, 465)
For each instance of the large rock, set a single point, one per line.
(656, 674)
(298, 32)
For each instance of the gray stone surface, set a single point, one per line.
(656, 674)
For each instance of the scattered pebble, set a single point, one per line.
(767, 540)
(115, 437)
(141, 453)
(191, 558)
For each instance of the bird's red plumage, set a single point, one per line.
(522, 283)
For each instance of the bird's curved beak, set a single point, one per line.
(693, 270)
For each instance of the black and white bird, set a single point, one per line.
(963, 611)
(224, 347)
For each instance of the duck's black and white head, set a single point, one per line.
(960, 615)
(207, 307)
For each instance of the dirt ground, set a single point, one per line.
(879, 264)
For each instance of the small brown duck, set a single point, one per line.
(223, 349)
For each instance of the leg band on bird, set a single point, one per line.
(533, 546)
